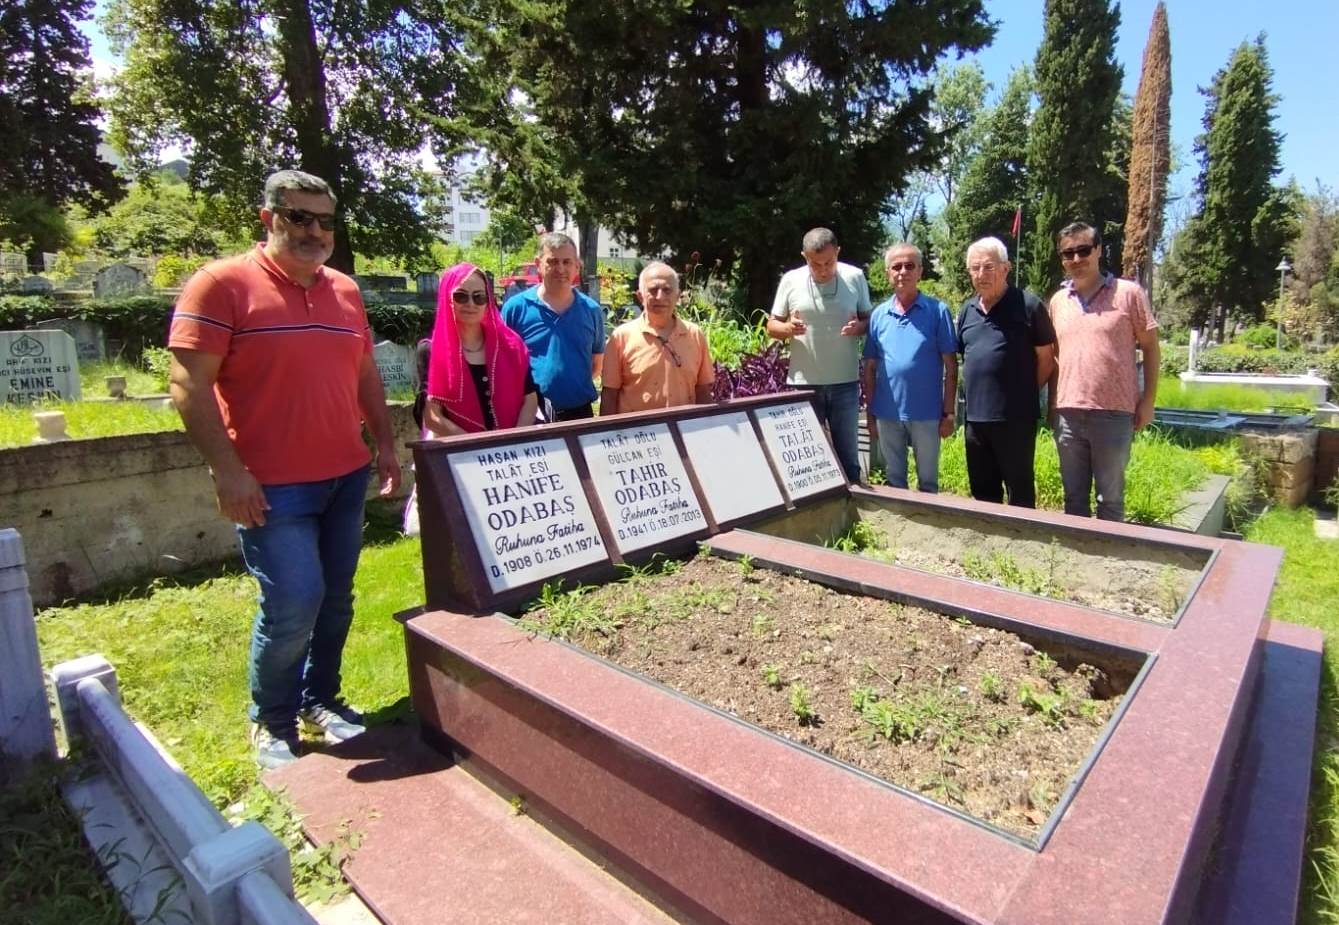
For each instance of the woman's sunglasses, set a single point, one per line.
(461, 297)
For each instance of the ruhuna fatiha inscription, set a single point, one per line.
(799, 448)
(527, 512)
(642, 485)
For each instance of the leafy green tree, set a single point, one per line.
(350, 91)
(1314, 286)
(995, 183)
(48, 146)
(160, 216)
(1151, 153)
(1073, 134)
(725, 128)
(1244, 218)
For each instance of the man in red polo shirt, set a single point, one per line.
(273, 375)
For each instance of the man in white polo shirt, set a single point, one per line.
(823, 309)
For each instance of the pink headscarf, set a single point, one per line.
(505, 357)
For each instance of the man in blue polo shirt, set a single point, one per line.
(563, 329)
(911, 373)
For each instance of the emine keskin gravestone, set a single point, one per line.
(38, 365)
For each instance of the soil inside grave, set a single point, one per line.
(1145, 581)
(972, 717)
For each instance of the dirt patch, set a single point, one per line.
(972, 717)
(1141, 580)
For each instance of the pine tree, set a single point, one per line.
(49, 145)
(1069, 153)
(1244, 219)
(1150, 156)
(995, 184)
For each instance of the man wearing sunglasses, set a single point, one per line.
(273, 376)
(563, 328)
(657, 360)
(911, 373)
(1096, 402)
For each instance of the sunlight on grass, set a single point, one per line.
(1176, 394)
(85, 419)
(92, 378)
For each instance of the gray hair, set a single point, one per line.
(992, 246)
(657, 266)
(904, 246)
(555, 241)
(281, 181)
(818, 239)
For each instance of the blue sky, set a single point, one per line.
(1299, 36)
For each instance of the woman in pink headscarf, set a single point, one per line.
(478, 370)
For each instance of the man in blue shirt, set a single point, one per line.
(911, 373)
(563, 329)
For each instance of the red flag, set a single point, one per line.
(1018, 222)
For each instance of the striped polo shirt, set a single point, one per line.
(288, 384)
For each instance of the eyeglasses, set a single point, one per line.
(976, 269)
(664, 342)
(1077, 253)
(303, 219)
(900, 267)
(461, 297)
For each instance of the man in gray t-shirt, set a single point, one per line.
(823, 309)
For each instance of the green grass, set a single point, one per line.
(1227, 397)
(1159, 475)
(85, 419)
(139, 382)
(1305, 592)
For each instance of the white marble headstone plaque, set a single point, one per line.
(396, 365)
(38, 365)
(730, 465)
(800, 449)
(643, 485)
(527, 511)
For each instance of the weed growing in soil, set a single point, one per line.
(745, 566)
(1168, 589)
(771, 675)
(1051, 707)
(864, 538)
(1043, 664)
(801, 704)
(567, 613)
(1002, 569)
(991, 687)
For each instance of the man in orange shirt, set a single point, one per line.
(273, 375)
(657, 360)
(1095, 399)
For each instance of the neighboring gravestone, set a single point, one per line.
(426, 284)
(396, 365)
(642, 484)
(730, 465)
(527, 512)
(119, 279)
(800, 449)
(35, 284)
(13, 263)
(38, 365)
(90, 342)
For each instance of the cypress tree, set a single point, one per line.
(1244, 219)
(1150, 155)
(1069, 153)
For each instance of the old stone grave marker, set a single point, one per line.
(34, 285)
(800, 449)
(527, 512)
(119, 279)
(426, 284)
(38, 365)
(745, 486)
(90, 341)
(642, 484)
(396, 365)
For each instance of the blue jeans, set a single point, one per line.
(923, 438)
(838, 407)
(1094, 449)
(304, 558)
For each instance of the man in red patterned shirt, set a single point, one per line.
(273, 376)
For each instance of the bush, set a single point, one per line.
(1258, 337)
(403, 324)
(157, 361)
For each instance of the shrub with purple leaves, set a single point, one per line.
(758, 374)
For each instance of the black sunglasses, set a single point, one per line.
(461, 297)
(303, 218)
(1081, 252)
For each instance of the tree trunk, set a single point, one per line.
(588, 231)
(304, 77)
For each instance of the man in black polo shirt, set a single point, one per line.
(1005, 338)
